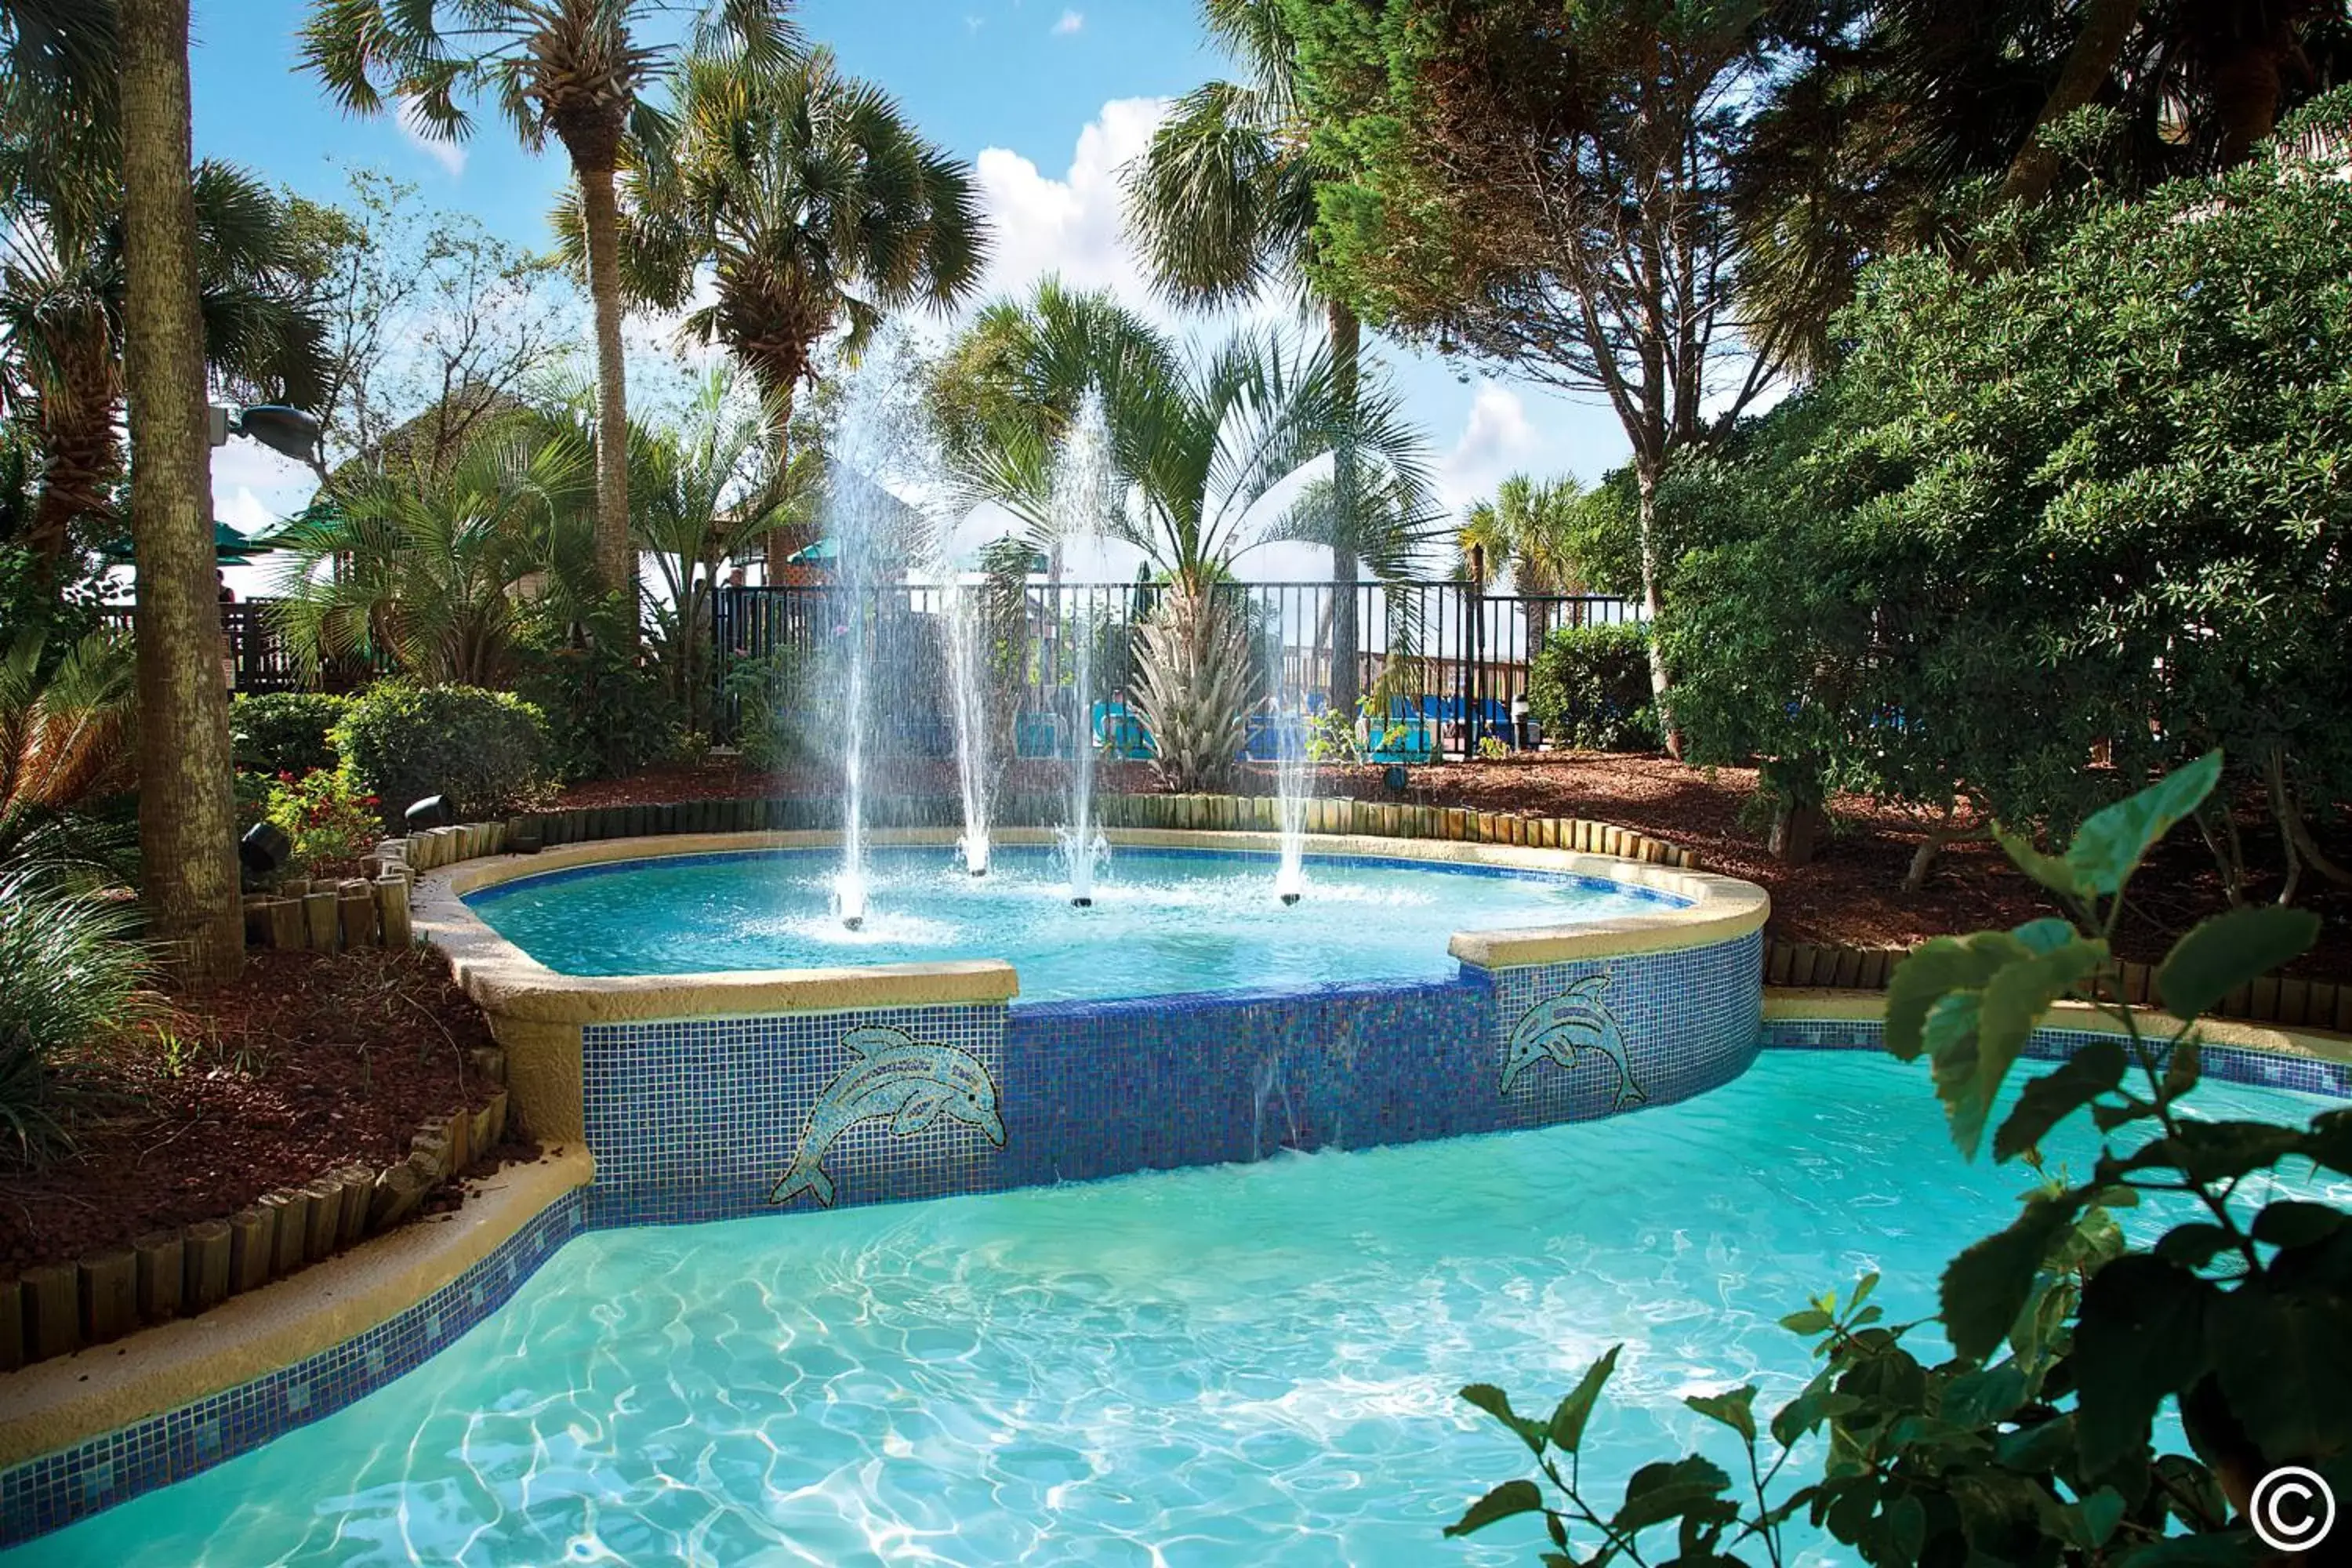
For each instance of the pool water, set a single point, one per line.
(1251, 1364)
(1163, 921)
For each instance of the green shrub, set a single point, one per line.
(607, 714)
(770, 690)
(69, 976)
(330, 820)
(2021, 1424)
(1590, 689)
(286, 731)
(485, 751)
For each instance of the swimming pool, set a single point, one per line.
(1162, 922)
(1244, 1365)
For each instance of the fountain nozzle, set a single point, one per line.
(1082, 902)
(1288, 899)
(979, 870)
(854, 922)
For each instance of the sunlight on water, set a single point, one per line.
(1244, 1365)
(1160, 921)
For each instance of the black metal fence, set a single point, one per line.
(257, 657)
(1438, 668)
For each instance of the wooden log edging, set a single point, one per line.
(60, 1308)
(1332, 814)
(2287, 1002)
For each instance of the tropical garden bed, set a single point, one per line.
(305, 1065)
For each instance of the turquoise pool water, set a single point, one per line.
(1251, 1364)
(1163, 921)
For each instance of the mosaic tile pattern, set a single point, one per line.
(701, 1118)
(1678, 1024)
(2227, 1064)
(50, 1492)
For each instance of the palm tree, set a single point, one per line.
(1523, 531)
(432, 566)
(187, 814)
(62, 298)
(572, 68)
(811, 203)
(1221, 203)
(1199, 446)
(706, 493)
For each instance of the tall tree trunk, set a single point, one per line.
(187, 814)
(778, 393)
(617, 559)
(2105, 25)
(1347, 351)
(81, 462)
(1645, 473)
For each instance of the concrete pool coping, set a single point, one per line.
(60, 1406)
(507, 982)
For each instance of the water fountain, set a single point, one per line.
(965, 626)
(1081, 497)
(1294, 785)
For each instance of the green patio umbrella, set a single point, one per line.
(230, 547)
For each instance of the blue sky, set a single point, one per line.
(1047, 98)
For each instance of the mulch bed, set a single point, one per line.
(307, 1064)
(1852, 894)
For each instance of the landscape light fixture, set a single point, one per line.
(433, 811)
(266, 848)
(281, 429)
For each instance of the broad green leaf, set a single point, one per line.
(1818, 1402)
(2193, 1246)
(1996, 1508)
(2045, 935)
(1811, 1321)
(1986, 1287)
(2050, 870)
(1935, 968)
(1862, 1289)
(2109, 844)
(1497, 1404)
(1977, 1399)
(2228, 951)
(1735, 1409)
(1505, 1501)
(2216, 1549)
(1659, 1492)
(2290, 1223)
(2091, 1521)
(2012, 1007)
(2140, 1337)
(2037, 1450)
(2183, 1067)
(2108, 1118)
(2284, 1361)
(2092, 1071)
(1566, 1429)
(2218, 1150)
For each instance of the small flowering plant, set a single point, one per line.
(329, 820)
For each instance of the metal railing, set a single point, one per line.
(257, 657)
(1444, 664)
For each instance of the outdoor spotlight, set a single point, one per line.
(265, 848)
(1396, 778)
(433, 811)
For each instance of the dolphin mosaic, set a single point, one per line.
(891, 1074)
(1564, 1029)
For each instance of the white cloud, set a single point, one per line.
(1070, 23)
(450, 155)
(1497, 440)
(1070, 226)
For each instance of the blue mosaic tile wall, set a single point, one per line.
(2227, 1064)
(1437, 1050)
(50, 1492)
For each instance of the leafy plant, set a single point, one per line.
(770, 690)
(608, 713)
(1590, 689)
(1332, 736)
(485, 751)
(329, 820)
(65, 741)
(2031, 1440)
(69, 976)
(1494, 748)
(286, 731)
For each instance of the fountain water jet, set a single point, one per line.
(1081, 498)
(1294, 783)
(964, 635)
(1084, 847)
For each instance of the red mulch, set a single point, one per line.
(305, 1065)
(1851, 893)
